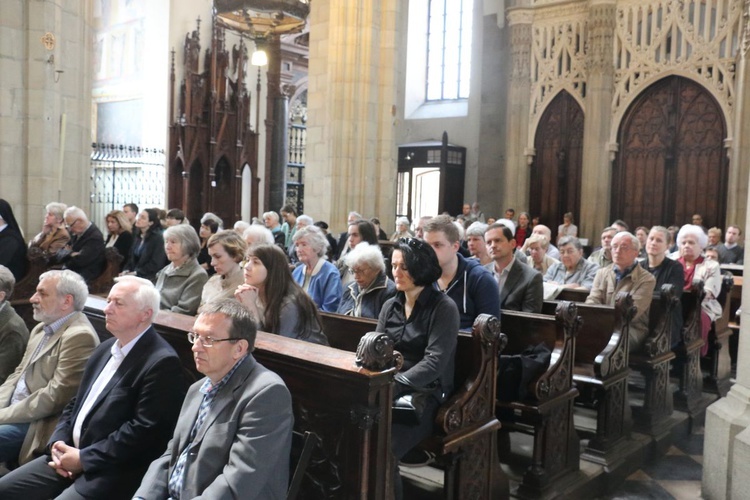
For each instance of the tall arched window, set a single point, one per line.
(448, 49)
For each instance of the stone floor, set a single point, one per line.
(674, 476)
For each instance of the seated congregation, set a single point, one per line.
(83, 417)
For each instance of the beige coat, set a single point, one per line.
(52, 377)
(640, 284)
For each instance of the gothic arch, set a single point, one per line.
(223, 190)
(671, 162)
(555, 186)
(537, 118)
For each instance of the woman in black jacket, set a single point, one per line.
(147, 255)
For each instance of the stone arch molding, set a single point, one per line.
(534, 125)
(698, 41)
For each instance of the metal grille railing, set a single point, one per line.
(125, 174)
(295, 169)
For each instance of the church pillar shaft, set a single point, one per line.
(596, 172)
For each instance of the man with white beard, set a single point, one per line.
(32, 398)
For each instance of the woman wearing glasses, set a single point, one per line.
(365, 295)
(423, 323)
(278, 303)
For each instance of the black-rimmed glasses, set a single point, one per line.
(207, 341)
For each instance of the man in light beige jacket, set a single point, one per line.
(32, 398)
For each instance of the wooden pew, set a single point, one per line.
(689, 396)
(347, 406)
(106, 280)
(653, 361)
(38, 263)
(547, 411)
(465, 425)
(717, 362)
(601, 373)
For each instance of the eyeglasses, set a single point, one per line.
(359, 270)
(207, 341)
(72, 223)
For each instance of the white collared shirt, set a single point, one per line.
(114, 362)
(502, 276)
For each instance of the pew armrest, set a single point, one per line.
(613, 360)
(557, 379)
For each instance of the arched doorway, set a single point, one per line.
(177, 185)
(672, 162)
(555, 186)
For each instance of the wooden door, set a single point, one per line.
(555, 186)
(672, 161)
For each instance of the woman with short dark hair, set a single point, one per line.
(278, 303)
(147, 255)
(423, 323)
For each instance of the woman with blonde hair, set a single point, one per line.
(120, 234)
(226, 249)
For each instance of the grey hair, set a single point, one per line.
(69, 283)
(305, 219)
(477, 229)
(259, 234)
(240, 226)
(186, 235)
(147, 296)
(273, 215)
(56, 209)
(536, 238)
(402, 220)
(243, 322)
(634, 239)
(570, 240)
(7, 282)
(507, 223)
(367, 254)
(75, 213)
(315, 238)
(692, 230)
(461, 230)
(354, 214)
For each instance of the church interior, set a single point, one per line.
(627, 110)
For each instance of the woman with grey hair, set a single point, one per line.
(365, 295)
(258, 235)
(475, 242)
(691, 240)
(54, 236)
(318, 277)
(181, 282)
(402, 229)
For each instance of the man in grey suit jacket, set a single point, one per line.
(233, 437)
(521, 287)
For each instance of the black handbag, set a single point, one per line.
(409, 408)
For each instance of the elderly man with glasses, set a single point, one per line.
(84, 253)
(625, 275)
(234, 433)
(123, 414)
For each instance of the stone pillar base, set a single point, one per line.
(727, 454)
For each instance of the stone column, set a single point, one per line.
(726, 462)
(596, 172)
(351, 149)
(38, 86)
(516, 188)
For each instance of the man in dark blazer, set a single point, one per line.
(84, 253)
(123, 414)
(521, 287)
(234, 433)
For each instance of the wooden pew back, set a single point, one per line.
(347, 406)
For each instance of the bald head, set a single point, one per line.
(542, 230)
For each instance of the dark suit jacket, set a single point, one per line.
(242, 447)
(152, 258)
(89, 247)
(131, 421)
(523, 290)
(122, 245)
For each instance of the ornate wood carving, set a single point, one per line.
(375, 352)
(671, 162)
(211, 140)
(556, 170)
